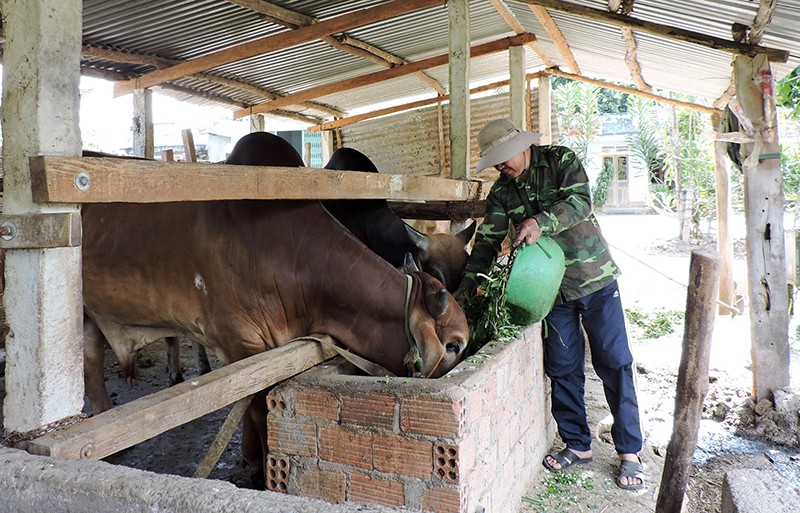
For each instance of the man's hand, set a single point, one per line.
(528, 232)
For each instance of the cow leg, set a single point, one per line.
(254, 438)
(93, 362)
(201, 362)
(174, 360)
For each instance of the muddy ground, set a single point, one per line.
(653, 265)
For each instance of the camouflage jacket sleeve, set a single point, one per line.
(489, 237)
(572, 202)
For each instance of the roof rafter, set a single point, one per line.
(689, 36)
(276, 42)
(625, 7)
(512, 21)
(161, 63)
(380, 76)
(293, 19)
(555, 34)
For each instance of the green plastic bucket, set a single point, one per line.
(534, 281)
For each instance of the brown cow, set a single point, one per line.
(243, 277)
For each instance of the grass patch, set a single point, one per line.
(561, 490)
(654, 324)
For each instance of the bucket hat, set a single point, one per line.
(500, 140)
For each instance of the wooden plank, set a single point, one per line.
(659, 29)
(380, 76)
(440, 210)
(140, 181)
(189, 152)
(142, 419)
(692, 384)
(342, 23)
(52, 230)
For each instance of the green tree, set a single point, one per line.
(643, 142)
(578, 116)
(787, 94)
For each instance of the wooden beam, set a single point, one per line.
(635, 92)
(440, 210)
(632, 61)
(279, 41)
(105, 180)
(380, 76)
(555, 34)
(659, 29)
(142, 419)
(512, 21)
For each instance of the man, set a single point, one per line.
(544, 191)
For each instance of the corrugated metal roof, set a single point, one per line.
(185, 29)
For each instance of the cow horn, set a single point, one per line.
(409, 264)
(436, 303)
(466, 234)
(419, 239)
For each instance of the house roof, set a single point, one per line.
(128, 40)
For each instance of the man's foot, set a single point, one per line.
(631, 472)
(564, 459)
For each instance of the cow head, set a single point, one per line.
(442, 255)
(438, 326)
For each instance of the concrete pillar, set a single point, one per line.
(545, 111)
(143, 143)
(458, 16)
(516, 84)
(256, 123)
(43, 295)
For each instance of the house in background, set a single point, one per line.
(630, 185)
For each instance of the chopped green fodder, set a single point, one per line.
(654, 324)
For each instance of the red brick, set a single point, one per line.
(330, 486)
(373, 411)
(443, 500)
(403, 456)
(291, 437)
(436, 417)
(364, 488)
(346, 446)
(481, 398)
(317, 403)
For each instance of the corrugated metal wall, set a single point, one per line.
(408, 143)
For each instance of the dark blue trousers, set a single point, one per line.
(600, 314)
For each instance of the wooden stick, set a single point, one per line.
(223, 438)
(557, 36)
(142, 419)
(692, 384)
(688, 36)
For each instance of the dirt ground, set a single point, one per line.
(653, 265)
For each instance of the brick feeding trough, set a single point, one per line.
(468, 442)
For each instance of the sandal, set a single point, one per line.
(566, 458)
(631, 470)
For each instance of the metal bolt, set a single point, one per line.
(8, 230)
(82, 181)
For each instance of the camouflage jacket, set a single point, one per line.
(558, 194)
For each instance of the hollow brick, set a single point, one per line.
(291, 437)
(345, 446)
(427, 416)
(373, 411)
(365, 488)
(403, 456)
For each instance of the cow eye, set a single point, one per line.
(453, 347)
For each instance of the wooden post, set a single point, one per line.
(516, 96)
(256, 123)
(167, 155)
(459, 34)
(189, 153)
(43, 294)
(692, 384)
(143, 143)
(722, 170)
(307, 154)
(328, 145)
(766, 254)
(545, 111)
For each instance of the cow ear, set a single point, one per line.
(466, 234)
(436, 303)
(409, 264)
(419, 239)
